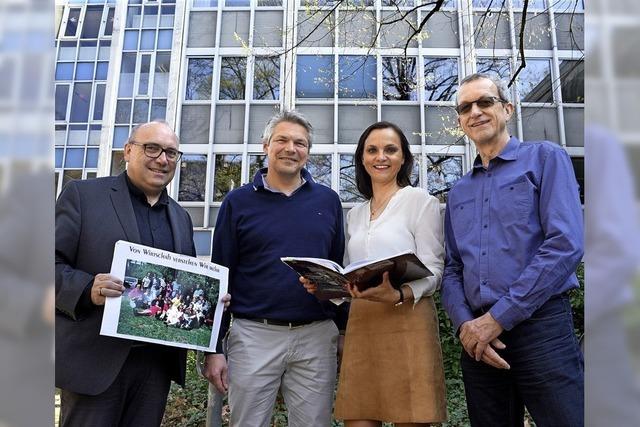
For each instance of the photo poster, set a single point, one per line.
(170, 299)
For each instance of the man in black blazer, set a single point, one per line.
(109, 381)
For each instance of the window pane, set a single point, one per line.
(572, 80)
(84, 71)
(319, 166)
(568, 6)
(92, 20)
(148, 39)
(441, 78)
(399, 78)
(259, 115)
(407, 117)
(60, 134)
(537, 30)
(232, 77)
(396, 28)
(533, 4)
(534, 81)
(123, 111)
(357, 77)
(202, 29)
(358, 29)
(104, 50)
(67, 51)
(229, 124)
(578, 169)
(442, 31)
(574, 126)
(236, 3)
(87, 50)
(266, 78)
(235, 29)
(167, 14)
(120, 136)
(352, 120)
(315, 28)
(228, 168)
(108, 26)
(94, 134)
(193, 175)
(118, 165)
(77, 135)
(492, 31)
(143, 83)
(199, 78)
(150, 18)
(92, 158)
(194, 125)
(165, 37)
(80, 102)
(98, 107)
(570, 31)
(267, 29)
(322, 117)
(205, 3)
(540, 124)
(348, 190)
(130, 40)
(59, 154)
(62, 96)
(102, 70)
(134, 16)
(256, 162)
(161, 76)
(64, 71)
(141, 111)
(442, 173)
(75, 158)
(441, 126)
(499, 67)
(158, 109)
(314, 76)
(72, 22)
(127, 73)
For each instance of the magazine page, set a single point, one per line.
(170, 299)
(320, 261)
(330, 283)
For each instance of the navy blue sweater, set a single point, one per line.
(255, 227)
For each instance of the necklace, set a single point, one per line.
(381, 207)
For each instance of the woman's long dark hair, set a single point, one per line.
(363, 180)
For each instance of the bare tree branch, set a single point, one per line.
(523, 60)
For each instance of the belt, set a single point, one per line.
(274, 322)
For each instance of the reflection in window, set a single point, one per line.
(143, 83)
(572, 80)
(62, 95)
(357, 77)
(161, 75)
(266, 78)
(72, 23)
(414, 179)
(228, 168)
(127, 72)
(441, 78)
(256, 162)
(499, 67)
(398, 3)
(533, 4)
(193, 174)
(399, 78)
(233, 70)
(534, 81)
(199, 78)
(568, 6)
(314, 76)
(442, 173)
(348, 189)
(80, 102)
(92, 20)
(319, 166)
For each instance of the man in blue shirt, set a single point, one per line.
(513, 228)
(282, 337)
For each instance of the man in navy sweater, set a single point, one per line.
(282, 337)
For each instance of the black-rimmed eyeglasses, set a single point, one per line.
(154, 151)
(482, 103)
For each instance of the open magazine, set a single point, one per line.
(332, 279)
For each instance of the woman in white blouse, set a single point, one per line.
(392, 362)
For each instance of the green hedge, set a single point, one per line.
(187, 407)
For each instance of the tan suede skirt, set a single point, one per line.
(392, 364)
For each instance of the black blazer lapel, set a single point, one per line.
(124, 209)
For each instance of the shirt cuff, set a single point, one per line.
(506, 313)
(423, 288)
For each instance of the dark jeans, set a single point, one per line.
(546, 375)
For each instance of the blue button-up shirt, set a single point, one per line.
(514, 234)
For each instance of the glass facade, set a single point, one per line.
(216, 70)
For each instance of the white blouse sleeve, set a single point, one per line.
(429, 236)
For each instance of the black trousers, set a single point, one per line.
(137, 397)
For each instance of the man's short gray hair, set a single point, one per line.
(503, 90)
(291, 116)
